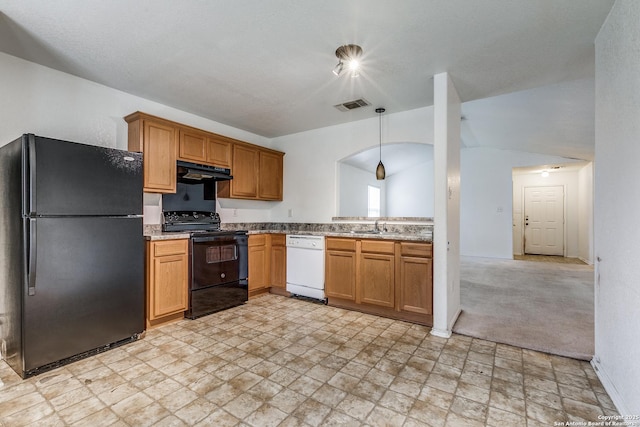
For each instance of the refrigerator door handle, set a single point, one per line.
(31, 273)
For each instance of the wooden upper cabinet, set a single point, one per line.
(219, 152)
(157, 140)
(257, 171)
(270, 176)
(257, 174)
(246, 161)
(193, 146)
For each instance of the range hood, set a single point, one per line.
(194, 173)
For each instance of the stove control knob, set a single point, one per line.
(195, 215)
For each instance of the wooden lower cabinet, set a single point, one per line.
(416, 285)
(278, 261)
(267, 263)
(167, 278)
(383, 277)
(377, 280)
(340, 268)
(258, 264)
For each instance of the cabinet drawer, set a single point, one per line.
(341, 244)
(416, 249)
(257, 239)
(278, 240)
(170, 247)
(378, 247)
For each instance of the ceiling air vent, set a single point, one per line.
(352, 105)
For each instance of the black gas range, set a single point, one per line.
(218, 261)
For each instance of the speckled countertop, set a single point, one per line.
(412, 232)
(154, 232)
(395, 231)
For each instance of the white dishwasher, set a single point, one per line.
(305, 265)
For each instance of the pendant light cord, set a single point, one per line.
(380, 133)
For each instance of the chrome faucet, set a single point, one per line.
(375, 226)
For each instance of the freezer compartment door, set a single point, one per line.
(66, 178)
(84, 288)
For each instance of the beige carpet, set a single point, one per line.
(540, 306)
(549, 258)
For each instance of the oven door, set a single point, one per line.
(214, 261)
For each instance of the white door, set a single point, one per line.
(544, 220)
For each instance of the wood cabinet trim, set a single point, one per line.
(416, 249)
(378, 246)
(338, 244)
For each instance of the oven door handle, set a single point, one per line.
(199, 239)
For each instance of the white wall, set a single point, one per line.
(486, 187)
(310, 163)
(354, 192)
(567, 180)
(40, 100)
(417, 181)
(617, 204)
(585, 214)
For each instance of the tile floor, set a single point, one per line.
(281, 361)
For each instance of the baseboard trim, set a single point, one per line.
(454, 319)
(441, 333)
(586, 261)
(608, 385)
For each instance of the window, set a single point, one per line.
(373, 201)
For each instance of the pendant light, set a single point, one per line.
(380, 172)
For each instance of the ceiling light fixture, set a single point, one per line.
(544, 174)
(348, 54)
(380, 172)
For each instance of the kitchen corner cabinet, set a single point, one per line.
(382, 277)
(257, 174)
(167, 285)
(157, 140)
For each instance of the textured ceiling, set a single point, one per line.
(265, 66)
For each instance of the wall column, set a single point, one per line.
(446, 232)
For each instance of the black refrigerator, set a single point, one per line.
(71, 251)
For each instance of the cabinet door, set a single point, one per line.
(377, 282)
(258, 262)
(340, 275)
(192, 147)
(168, 281)
(245, 172)
(279, 266)
(159, 157)
(416, 285)
(219, 152)
(270, 177)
